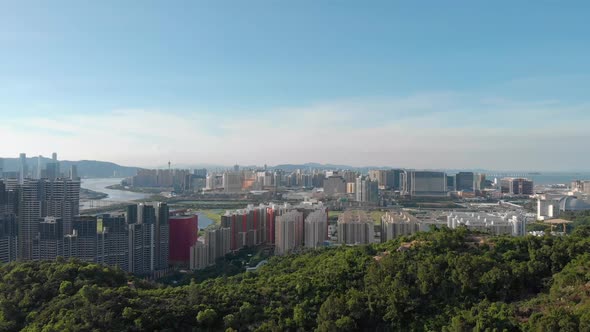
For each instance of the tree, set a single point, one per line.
(207, 317)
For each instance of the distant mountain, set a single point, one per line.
(86, 168)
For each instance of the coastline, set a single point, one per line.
(135, 190)
(91, 194)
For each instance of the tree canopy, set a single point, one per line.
(445, 280)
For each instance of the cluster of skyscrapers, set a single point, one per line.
(287, 228)
(236, 180)
(43, 168)
(39, 220)
(361, 188)
(337, 183)
(32, 202)
(410, 183)
(179, 179)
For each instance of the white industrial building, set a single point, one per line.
(550, 206)
(495, 223)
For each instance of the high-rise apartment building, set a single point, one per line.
(232, 182)
(217, 240)
(184, 233)
(52, 171)
(113, 241)
(38, 199)
(480, 181)
(581, 186)
(141, 248)
(517, 186)
(8, 197)
(148, 226)
(48, 244)
(316, 228)
(385, 178)
(199, 256)
(355, 227)
(131, 214)
(366, 190)
(288, 232)
(351, 188)
(39, 169)
(84, 228)
(8, 238)
(61, 198)
(397, 179)
(30, 202)
(74, 172)
(179, 179)
(334, 186)
(200, 173)
(248, 226)
(394, 224)
(216, 245)
(23, 171)
(162, 234)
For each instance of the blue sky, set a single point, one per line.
(381, 82)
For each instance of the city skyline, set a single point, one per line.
(32, 167)
(459, 85)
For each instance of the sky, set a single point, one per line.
(419, 84)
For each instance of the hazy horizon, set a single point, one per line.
(453, 85)
(325, 165)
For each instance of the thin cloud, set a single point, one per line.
(443, 130)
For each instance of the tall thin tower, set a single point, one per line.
(39, 166)
(22, 168)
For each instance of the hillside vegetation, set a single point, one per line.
(439, 281)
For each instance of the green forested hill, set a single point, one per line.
(439, 281)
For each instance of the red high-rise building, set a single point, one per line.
(184, 233)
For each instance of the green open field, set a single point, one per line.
(334, 214)
(213, 214)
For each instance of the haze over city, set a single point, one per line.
(303, 165)
(446, 85)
